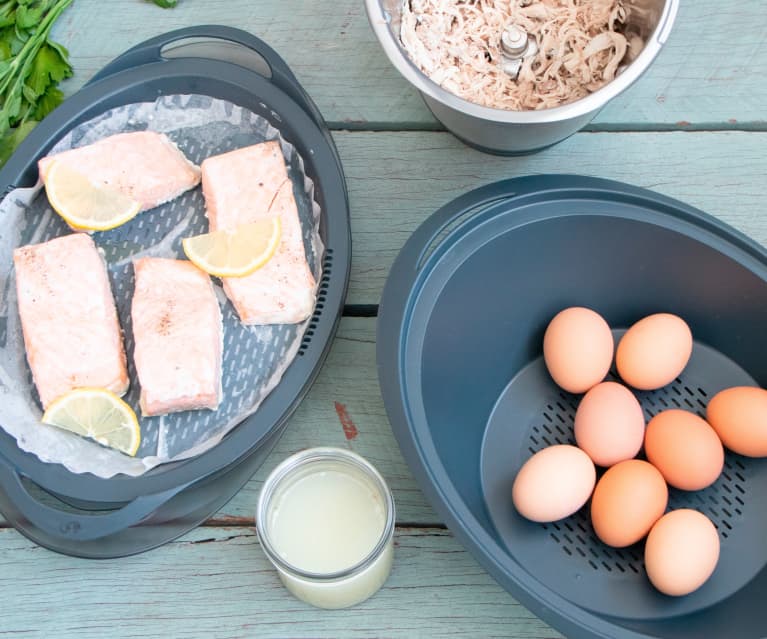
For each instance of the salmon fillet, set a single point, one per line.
(243, 186)
(178, 335)
(71, 333)
(143, 165)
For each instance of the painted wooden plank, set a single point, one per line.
(217, 583)
(396, 180)
(708, 75)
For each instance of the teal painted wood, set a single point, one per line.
(396, 180)
(215, 583)
(710, 74)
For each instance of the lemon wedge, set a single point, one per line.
(98, 414)
(237, 252)
(84, 205)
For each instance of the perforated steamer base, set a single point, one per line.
(532, 413)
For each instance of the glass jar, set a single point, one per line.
(325, 519)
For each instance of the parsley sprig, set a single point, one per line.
(31, 66)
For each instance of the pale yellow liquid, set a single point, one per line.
(327, 520)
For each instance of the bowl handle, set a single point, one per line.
(216, 42)
(27, 512)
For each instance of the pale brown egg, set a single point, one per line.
(684, 448)
(578, 349)
(739, 417)
(629, 498)
(609, 424)
(554, 483)
(654, 351)
(681, 552)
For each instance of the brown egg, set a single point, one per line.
(554, 483)
(609, 424)
(654, 351)
(739, 417)
(681, 552)
(578, 349)
(629, 498)
(684, 448)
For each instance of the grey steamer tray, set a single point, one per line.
(459, 349)
(124, 515)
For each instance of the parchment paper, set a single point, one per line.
(255, 357)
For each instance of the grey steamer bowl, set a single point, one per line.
(504, 132)
(459, 349)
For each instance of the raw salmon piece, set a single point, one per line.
(243, 186)
(71, 333)
(178, 335)
(143, 165)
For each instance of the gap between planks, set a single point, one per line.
(732, 125)
(247, 522)
(361, 310)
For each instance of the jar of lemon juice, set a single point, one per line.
(325, 519)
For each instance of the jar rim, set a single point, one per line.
(289, 467)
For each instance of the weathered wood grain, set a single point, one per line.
(709, 75)
(396, 180)
(216, 583)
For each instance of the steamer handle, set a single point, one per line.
(257, 56)
(62, 524)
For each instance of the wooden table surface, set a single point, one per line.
(693, 128)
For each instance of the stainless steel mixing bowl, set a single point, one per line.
(516, 132)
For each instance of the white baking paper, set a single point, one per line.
(255, 357)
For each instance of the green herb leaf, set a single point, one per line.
(47, 102)
(7, 13)
(28, 17)
(13, 138)
(29, 93)
(61, 49)
(12, 108)
(11, 41)
(31, 66)
(25, 113)
(165, 4)
(48, 66)
(22, 35)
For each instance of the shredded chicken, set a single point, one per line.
(457, 43)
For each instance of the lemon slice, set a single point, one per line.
(237, 252)
(85, 205)
(99, 414)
